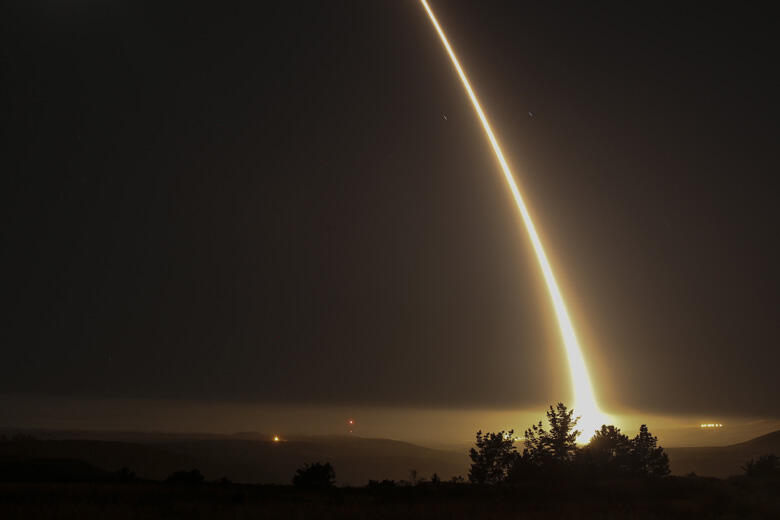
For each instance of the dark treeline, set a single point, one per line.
(553, 452)
(545, 452)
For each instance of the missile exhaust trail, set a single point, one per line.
(584, 399)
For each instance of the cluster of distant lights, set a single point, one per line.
(711, 425)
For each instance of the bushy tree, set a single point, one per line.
(522, 468)
(492, 458)
(647, 458)
(765, 466)
(384, 484)
(315, 476)
(557, 446)
(608, 452)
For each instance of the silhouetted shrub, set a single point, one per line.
(765, 466)
(315, 476)
(554, 449)
(607, 454)
(523, 468)
(185, 477)
(384, 484)
(492, 458)
(610, 453)
(647, 458)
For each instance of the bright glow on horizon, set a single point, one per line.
(585, 403)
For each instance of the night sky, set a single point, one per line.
(293, 202)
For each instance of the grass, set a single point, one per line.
(672, 497)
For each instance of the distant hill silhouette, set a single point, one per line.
(147, 461)
(355, 459)
(252, 457)
(14, 469)
(770, 442)
(722, 461)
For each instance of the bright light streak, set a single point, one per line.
(584, 399)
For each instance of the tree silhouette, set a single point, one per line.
(492, 458)
(765, 466)
(556, 446)
(315, 476)
(523, 468)
(609, 451)
(553, 452)
(647, 458)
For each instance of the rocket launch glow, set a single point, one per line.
(584, 399)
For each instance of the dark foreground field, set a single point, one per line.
(671, 497)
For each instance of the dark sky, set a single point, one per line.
(266, 203)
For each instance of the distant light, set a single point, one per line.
(276, 438)
(711, 425)
(351, 421)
